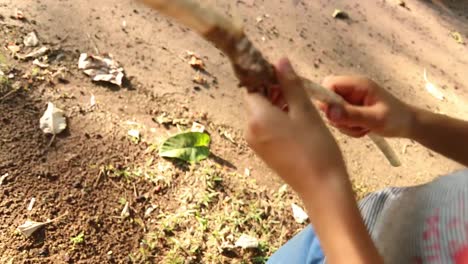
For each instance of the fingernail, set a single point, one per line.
(335, 113)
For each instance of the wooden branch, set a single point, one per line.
(251, 68)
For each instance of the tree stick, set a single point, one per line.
(251, 68)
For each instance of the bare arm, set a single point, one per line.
(445, 135)
(298, 147)
(371, 108)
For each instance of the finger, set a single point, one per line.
(353, 89)
(356, 132)
(292, 89)
(353, 116)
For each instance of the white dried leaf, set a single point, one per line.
(29, 227)
(40, 64)
(149, 210)
(125, 211)
(31, 40)
(432, 89)
(92, 100)
(283, 189)
(134, 133)
(53, 121)
(3, 178)
(36, 53)
(31, 204)
(246, 241)
(197, 127)
(101, 68)
(299, 215)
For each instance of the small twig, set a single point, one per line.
(94, 43)
(135, 191)
(57, 218)
(51, 141)
(8, 94)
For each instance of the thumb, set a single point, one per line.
(353, 116)
(292, 88)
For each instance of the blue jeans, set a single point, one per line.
(304, 248)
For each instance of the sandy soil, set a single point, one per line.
(387, 42)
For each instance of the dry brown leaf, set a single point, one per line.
(195, 61)
(13, 48)
(29, 227)
(199, 80)
(457, 37)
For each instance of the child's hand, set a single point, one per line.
(369, 108)
(296, 144)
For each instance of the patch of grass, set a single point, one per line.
(78, 239)
(213, 209)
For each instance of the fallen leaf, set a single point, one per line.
(457, 37)
(189, 146)
(246, 241)
(103, 68)
(29, 227)
(259, 19)
(125, 211)
(299, 215)
(31, 204)
(149, 210)
(19, 14)
(134, 133)
(31, 40)
(283, 189)
(197, 127)
(3, 178)
(40, 64)
(13, 48)
(199, 80)
(36, 53)
(247, 172)
(53, 120)
(432, 89)
(340, 14)
(195, 61)
(163, 119)
(92, 101)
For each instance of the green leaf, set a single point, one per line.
(189, 146)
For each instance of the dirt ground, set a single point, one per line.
(92, 169)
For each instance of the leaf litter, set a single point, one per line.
(101, 68)
(246, 241)
(432, 88)
(31, 40)
(299, 214)
(53, 120)
(29, 227)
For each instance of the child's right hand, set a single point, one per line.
(369, 108)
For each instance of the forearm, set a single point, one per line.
(445, 135)
(335, 216)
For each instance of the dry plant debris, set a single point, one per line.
(101, 68)
(53, 120)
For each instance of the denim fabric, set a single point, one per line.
(304, 248)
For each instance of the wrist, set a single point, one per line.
(416, 121)
(314, 183)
